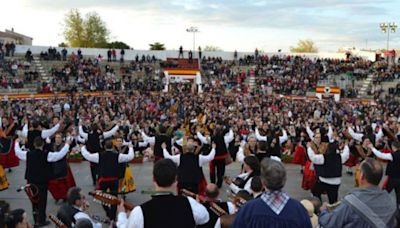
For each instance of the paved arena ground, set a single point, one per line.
(142, 175)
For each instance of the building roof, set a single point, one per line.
(14, 35)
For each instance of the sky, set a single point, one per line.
(241, 25)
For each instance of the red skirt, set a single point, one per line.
(352, 161)
(59, 187)
(299, 156)
(202, 186)
(9, 160)
(309, 177)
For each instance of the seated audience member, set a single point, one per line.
(274, 208)
(368, 206)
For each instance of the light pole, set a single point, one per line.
(388, 28)
(193, 30)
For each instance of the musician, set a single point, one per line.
(243, 181)
(222, 136)
(62, 178)
(367, 206)
(328, 167)
(17, 219)
(392, 169)
(189, 174)
(212, 195)
(37, 131)
(75, 208)
(93, 138)
(38, 172)
(256, 187)
(108, 167)
(164, 209)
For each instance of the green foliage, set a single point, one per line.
(157, 46)
(212, 48)
(90, 32)
(62, 45)
(118, 45)
(304, 46)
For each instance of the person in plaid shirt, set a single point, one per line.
(274, 208)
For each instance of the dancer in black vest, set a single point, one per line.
(212, 195)
(392, 169)
(274, 143)
(221, 138)
(158, 140)
(189, 174)
(93, 143)
(75, 208)
(38, 172)
(62, 178)
(37, 131)
(108, 167)
(156, 212)
(328, 168)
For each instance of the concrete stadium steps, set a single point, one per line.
(43, 72)
(365, 85)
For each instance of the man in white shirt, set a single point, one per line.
(328, 168)
(108, 169)
(38, 173)
(189, 165)
(164, 209)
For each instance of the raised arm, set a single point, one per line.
(378, 135)
(203, 159)
(88, 156)
(148, 139)
(126, 157)
(175, 158)
(317, 159)
(202, 138)
(110, 133)
(58, 155)
(229, 137)
(49, 132)
(82, 133)
(21, 154)
(25, 130)
(284, 137)
(330, 133)
(310, 132)
(355, 136)
(345, 155)
(259, 137)
(381, 155)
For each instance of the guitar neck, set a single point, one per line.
(57, 222)
(214, 207)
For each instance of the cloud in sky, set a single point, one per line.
(229, 24)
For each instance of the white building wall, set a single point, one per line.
(131, 54)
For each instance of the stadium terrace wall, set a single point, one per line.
(131, 54)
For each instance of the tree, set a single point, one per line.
(212, 48)
(64, 45)
(157, 46)
(118, 45)
(90, 32)
(73, 28)
(304, 46)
